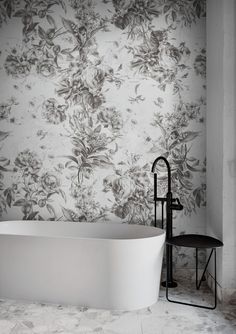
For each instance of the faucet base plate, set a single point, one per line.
(171, 284)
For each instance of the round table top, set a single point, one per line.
(194, 241)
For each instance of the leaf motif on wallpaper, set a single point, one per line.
(120, 67)
(20, 202)
(90, 146)
(88, 161)
(9, 196)
(192, 168)
(200, 195)
(71, 159)
(51, 20)
(62, 3)
(70, 215)
(51, 210)
(166, 8)
(42, 32)
(27, 15)
(155, 149)
(3, 206)
(73, 28)
(136, 99)
(3, 135)
(186, 184)
(183, 12)
(4, 163)
(62, 193)
(188, 136)
(21, 13)
(6, 9)
(32, 215)
(200, 63)
(136, 88)
(200, 7)
(30, 28)
(198, 198)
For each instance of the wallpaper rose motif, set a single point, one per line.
(91, 93)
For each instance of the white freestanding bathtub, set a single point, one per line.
(99, 265)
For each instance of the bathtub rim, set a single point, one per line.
(161, 232)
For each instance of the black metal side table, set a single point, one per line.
(196, 241)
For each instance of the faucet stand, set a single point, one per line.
(169, 248)
(169, 207)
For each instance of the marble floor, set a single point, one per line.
(162, 318)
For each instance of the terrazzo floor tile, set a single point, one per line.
(161, 318)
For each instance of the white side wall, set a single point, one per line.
(221, 141)
(229, 148)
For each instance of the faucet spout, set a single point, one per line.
(168, 170)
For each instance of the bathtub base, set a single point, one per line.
(95, 273)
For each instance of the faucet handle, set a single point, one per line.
(177, 206)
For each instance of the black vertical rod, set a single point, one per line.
(215, 279)
(155, 186)
(155, 198)
(155, 210)
(204, 271)
(169, 248)
(196, 268)
(162, 214)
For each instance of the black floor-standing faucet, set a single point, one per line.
(169, 207)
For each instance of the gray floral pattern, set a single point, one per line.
(53, 112)
(91, 93)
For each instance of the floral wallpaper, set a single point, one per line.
(91, 93)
